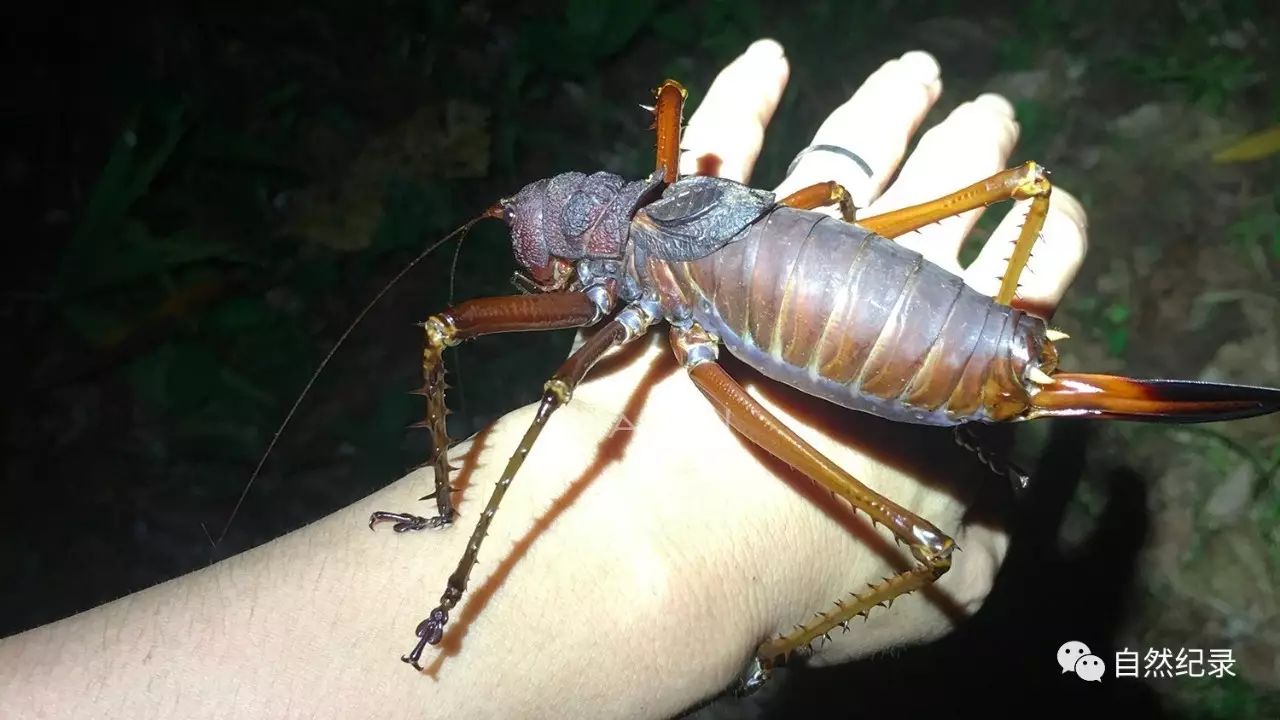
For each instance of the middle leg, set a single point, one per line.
(630, 324)
(822, 194)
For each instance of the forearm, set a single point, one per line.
(631, 570)
(565, 616)
(305, 622)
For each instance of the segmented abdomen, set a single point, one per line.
(862, 321)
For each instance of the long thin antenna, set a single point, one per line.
(453, 268)
(494, 211)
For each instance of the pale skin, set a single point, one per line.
(643, 551)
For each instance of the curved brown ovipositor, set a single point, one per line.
(1120, 398)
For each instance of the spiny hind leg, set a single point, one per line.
(1029, 180)
(930, 547)
(470, 319)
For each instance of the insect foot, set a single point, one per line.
(404, 522)
(753, 677)
(429, 632)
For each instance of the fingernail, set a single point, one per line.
(766, 48)
(994, 103)
(922, 66)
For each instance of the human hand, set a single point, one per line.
(643, 551)
(704, 544)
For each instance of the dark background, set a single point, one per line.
(203, 198)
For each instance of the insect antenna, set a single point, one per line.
(457, 366)
(494, 211)
(453, 267)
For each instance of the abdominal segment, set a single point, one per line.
(864, 322)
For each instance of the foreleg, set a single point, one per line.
(668, 117)
(630, 324)
(471, 319)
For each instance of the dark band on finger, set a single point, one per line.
(834, 149)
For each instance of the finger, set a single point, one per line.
(1055, 258)
(971, 144)
(727, 130)
(876, 124)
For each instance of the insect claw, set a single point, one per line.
(419, 424)
(1038, 376)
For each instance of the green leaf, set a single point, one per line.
(140, 153)
(177, 377)
(237, 315)
(141, 255)
(1116, 314)
(413, 212)
(606, 26)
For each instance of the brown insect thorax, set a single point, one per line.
(559, 221)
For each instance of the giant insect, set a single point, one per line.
(833, 307)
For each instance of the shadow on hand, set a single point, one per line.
(1004, 659)
(607, 453)
(929, 456)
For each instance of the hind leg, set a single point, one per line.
(930, 547)
(1026, 181)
